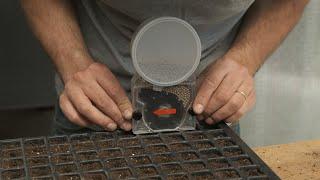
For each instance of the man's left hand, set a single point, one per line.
(226, 92)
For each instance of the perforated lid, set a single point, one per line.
(166, 51)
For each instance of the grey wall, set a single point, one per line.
(26, 78)
(288, 88)
(26, 75)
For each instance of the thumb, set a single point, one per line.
(209, 83)
(125, 107)
(206, 88)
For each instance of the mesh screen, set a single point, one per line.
(166, 51)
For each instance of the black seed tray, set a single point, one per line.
(208, 153)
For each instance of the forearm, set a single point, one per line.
(263, 28)
(54, 23)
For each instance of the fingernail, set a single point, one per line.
(209, 121)
(198, 108)
(127, 114)
(127, 126)
(112, 126)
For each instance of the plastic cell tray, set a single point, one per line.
(207, 153)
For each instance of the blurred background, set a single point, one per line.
(288, 85)
(27, 92)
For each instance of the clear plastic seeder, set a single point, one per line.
(165, 52)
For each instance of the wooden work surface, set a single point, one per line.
(300, 160)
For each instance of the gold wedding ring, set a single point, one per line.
(243, 94)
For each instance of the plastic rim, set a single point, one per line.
(153, 24)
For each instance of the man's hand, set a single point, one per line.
(225, 93)
(94, 96)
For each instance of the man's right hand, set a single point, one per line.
(94, 96)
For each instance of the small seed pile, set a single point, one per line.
(183, 92)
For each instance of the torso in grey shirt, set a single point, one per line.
(108, 26)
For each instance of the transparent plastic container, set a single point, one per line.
(160, 109)
(165, 53)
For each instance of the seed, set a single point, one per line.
(183, 92)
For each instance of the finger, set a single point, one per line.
(70, 112)
(116, 92)
(208, 86)
(233, 105)
(126, 126)
(102, 101)
(84, 106)
(210, 121)
(246, 87)
(223, 93)
(236, 101)
(247, 105)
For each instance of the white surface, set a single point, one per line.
(288, 88)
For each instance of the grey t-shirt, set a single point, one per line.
(108, 26)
